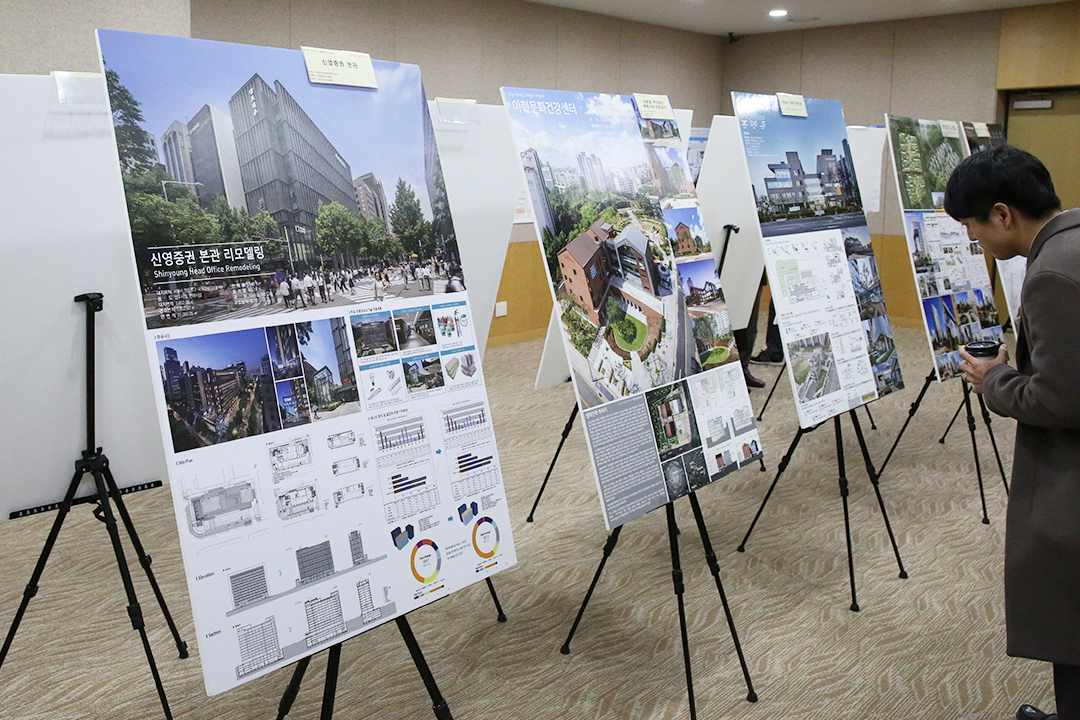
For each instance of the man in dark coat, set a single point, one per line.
(1006, 200)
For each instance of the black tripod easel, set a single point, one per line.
(438, 703)
(677, 579)
(843, 492)
(873, 425)
(565, 433)
(95, 464)
(965, 404)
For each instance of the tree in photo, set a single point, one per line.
(407, 219)
(339, 232)
(135, 145)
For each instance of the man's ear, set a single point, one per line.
(1003, 215)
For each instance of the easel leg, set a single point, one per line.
(32, 587)
(565, 433)
(779, 471)
(714, 568)
(438, 704)
(495, 598)
(144, 559)
(844, 499)
(293, 688)
(911, 413)
(775, 383)
(949, 427)
(104, 513)
(877, 490)
(872, 425)
(966, 404)
(677, 579)
(993, 442)
(333, 664)
(609, 546)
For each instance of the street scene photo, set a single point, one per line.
(251, 190)
(218, 388)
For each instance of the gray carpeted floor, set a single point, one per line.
(932, 646)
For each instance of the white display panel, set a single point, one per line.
(315, 360)
(64, 153)
(727, 197)
(481, 178)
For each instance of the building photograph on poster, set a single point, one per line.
(637, 292)
(338, 217)
(951, 273)
(819, 256)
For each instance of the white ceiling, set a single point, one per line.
(744, 17)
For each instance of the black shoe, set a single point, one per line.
(1027, 712)
(762, 359)
(752, 382)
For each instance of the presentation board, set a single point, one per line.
(64, 227)
(318, 387)
(950, 270)
(642, 317)
(818, 254)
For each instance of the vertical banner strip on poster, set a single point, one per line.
(640, 313)
(317, 379)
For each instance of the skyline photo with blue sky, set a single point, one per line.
(598, 124)
(768, 136)
(375, 131)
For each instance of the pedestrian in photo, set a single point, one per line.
(285, 291)
(1005, 199)
(456, 281)
(297, 291)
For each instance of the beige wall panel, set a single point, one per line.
(519, 47)
(647, 58)
(1040, 46)
(443, 37)
(762, 64)
(45, 35)
(852, 64)
(946, 67)
(253, 22)
(587, 52)
(360, 25)
(697, 80)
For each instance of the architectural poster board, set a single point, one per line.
(642, 317)
(950, 270)
(829, 303)
(326, 427)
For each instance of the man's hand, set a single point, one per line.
(975, 367)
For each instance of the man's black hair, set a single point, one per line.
(1004, 174)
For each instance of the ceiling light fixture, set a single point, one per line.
(777, 13)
